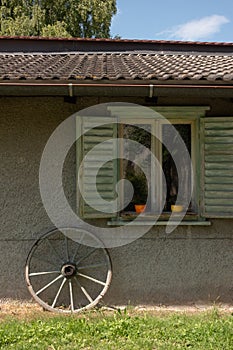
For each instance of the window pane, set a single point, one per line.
(132, 171)
(169, 167)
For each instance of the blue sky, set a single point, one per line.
(196, 20)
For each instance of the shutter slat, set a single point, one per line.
(101, 187)
(220, 139)
(218, 180)
(216, 124)
(224, 132)
(224, 172)
(216, 187)
(94, 155)
(220, 194)
(228, 158)
(105, 132)
(106, 166)
(89, 180)
(219, 211)
(221, 201)
(219, 148)
(94, 139)
(217, 166)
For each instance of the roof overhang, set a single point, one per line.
(118, 89)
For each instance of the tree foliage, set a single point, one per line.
(61, 18)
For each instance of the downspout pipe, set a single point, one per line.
(113, 89)
(70, 88)
(151, 91)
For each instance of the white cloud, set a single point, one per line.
(196, 29)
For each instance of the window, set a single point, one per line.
(205, 140)
(159, 191)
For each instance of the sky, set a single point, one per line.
(196, 20)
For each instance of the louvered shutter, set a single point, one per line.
(106, 179)
(217, 167)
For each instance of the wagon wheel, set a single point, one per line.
(68, 272)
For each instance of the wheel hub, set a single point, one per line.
(68, 270)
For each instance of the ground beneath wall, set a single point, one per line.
(29, 309)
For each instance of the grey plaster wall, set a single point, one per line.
(192, 264)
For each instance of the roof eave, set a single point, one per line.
(117, 88)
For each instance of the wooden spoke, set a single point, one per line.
(85, 256)
(55, 251)
(66, 248)
(59, 292)
(89, 298)
(92, 266)
(48, 285)
(71, 296)
(78, 247)
(42, 273)
(91, 278)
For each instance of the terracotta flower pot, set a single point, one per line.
(140, 208)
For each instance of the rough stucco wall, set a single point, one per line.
(189, 266)
(193, 263)
(25, 126)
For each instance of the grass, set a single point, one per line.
(120, 330)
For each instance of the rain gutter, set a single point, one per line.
(113, 89)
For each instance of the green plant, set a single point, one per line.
(140, 188)
(129, 330)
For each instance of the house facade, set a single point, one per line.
(132, 85)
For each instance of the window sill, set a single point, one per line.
(190, 219)
(165, 216)
(120, 222)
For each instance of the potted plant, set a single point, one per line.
(139, 183)
(176, 207)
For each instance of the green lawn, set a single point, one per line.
(121, 330)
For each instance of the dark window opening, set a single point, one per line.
(169, 167)
(132, 171)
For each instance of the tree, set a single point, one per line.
(61, 18)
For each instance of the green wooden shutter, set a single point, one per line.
(106, 179)
(217, 167)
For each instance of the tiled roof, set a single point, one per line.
(117, 65)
